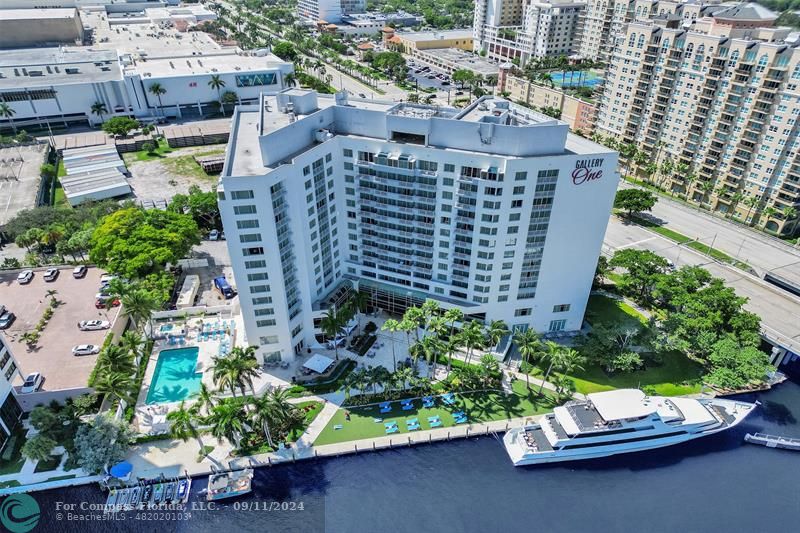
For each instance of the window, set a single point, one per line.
(258, 276)
(347, 152)
(258, 250)
(519, 190)
(520, 176)
(557, 325)
(250, 237)
(247, 224)
(563, 308)
(449, 167)
(265, 323)
(255, 289)
(269, 339)
(242, 195)
(265, 311)
(524, 311)
(244, 209)
(262, 300)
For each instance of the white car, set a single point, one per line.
(93, 325)
(51, 274)
(213, 235)
(79, 271)
(25, 277)
(85, 349)
(105, 279)
(32, 382)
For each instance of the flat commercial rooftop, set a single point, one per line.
(461, 59)
(37, 14)
(45, 67)
(93, 173)
(52, 355)
(176, 65)
(436, 35)
(19, 179)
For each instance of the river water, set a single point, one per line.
(716, 484)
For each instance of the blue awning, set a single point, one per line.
(121, 470)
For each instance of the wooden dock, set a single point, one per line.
(773, 441)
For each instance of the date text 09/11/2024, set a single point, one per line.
(251, 506)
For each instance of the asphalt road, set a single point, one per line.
(779, 310)
(760, 251)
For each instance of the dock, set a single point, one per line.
(773, 441)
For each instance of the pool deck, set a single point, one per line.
(208, 349)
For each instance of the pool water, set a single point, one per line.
(175, 378)
(572, 79)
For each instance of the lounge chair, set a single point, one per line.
(384, 404)
(412, 421)
(338, 426)
(459, 414)
(408, 406)
(386, 409)
(428, 402)
(393, 429)
(437, 423)
(460, 419)
(449, 398)
(378, 420)
(413, 427)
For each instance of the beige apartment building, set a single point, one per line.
(721, 102)
(579, 113)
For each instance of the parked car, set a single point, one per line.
(101, 301)
(213, 235)
(362, 95)
(445, 82)
(6, 319)
(32, 383)
(85, 349)
(459, 93)
(25, 277)
(222, 285)
(93, 325)
(51, 274)
(79, 272)
(105, 279)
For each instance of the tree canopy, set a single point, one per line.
(285, 50)
(202, 206)
(121, 126)
(634, 200)
(643, 268)
(102, 443)
(134, 242)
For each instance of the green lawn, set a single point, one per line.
(15, 461)
(48, 464)
(143, 155)
(185, 165)
(479, 406)
(604, 310)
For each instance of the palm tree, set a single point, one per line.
(415, 316)
(6, 111)
(227, 420)
(471, 337)
(359, 301)
(707, 187)
(113, 359)
(182, 424)
(158, 90)
(552, 354)
(99, 109)
(139, 304)
(131, 343)
(227, 373)
(289, 80)
(750, 202)
(218, 83)
(114, 385)
(528, 345)
(267, 413)
(497, 330)
(569, 361)
(768, 213)
(392, 326)
(205, 398)
(789, 214)
(331, 325)
(247, 363)
(735, 200)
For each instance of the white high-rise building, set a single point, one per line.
(494, 209)
(10, 411)
(522, 29)
(330, 11)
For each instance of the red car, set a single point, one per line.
(101, 302)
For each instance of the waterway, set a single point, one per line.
(716, 484)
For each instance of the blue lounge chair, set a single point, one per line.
(390, 424)
(436, 423)
(407, 400)
(449, 398)
(384, 405)
(459, 414)
(393, 429)
(386, 409)
(408, 406)
(414, 427)
(412, 421)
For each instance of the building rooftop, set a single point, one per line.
(462, 59)
(187, 65)
(45, 67)
(436, 35)
(489, 125)
(745, 11)
(37, 14)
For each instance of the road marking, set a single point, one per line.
(634, 243)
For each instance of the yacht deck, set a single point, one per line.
(538, 440)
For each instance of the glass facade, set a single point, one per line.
(256, 80)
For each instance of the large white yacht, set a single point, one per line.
(619, 421)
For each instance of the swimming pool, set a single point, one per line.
(175, 378)
(576, 79)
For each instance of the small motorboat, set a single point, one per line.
(147, 494)
(169, 492)
(183, 489)
(158, 493)
(123, 497)
(136, 492)
(229, 484)
(111, 501)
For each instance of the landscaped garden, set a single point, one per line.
(479, 406)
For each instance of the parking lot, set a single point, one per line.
(19, 178)
(52, 355)
(219, 264)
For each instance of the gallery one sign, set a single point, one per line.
(587, 170)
